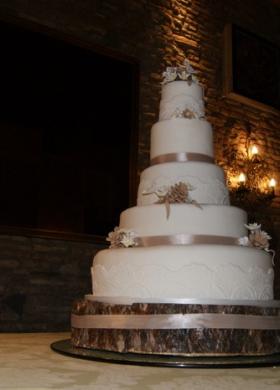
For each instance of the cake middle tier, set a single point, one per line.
(181, 135)
(189, 219)
(206, 180)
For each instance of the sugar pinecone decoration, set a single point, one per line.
(177, 193)
(259, 239)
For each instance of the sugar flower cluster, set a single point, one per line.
(257, 238)
(181, 72)
(121, 238)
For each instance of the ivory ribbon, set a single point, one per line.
(192, 301)
(181, 157)
(175, 321)
(185, 239)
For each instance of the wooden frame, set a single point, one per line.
(259, 84)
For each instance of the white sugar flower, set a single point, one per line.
(184, 75)
(121, 238)
(244, 241)
(187, 72)
(266, 235)
(177, 113)
(170, 74)
(253, 226)
(127, 238)
(259, 239)
(113, 237)
(189, 68)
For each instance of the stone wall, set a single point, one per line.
(39, 280)
(156, 33)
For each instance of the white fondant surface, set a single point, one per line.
(178, 96)
(206, 179)
(194, 271)
(152, 220)
(179, 87)
(181, 135)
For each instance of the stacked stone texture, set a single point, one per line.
(39, 280)
(156, 33)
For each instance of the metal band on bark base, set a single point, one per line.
(175, 321)
(237, 334)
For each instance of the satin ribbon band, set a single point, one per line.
(181, 157)
(193, 301)
(175, 321)
(185, 239)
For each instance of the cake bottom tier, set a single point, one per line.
(179, 271)
(177, 329)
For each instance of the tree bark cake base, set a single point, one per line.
(176, 329)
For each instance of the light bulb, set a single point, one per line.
(254, 150)
(242, 178)
(272, 183)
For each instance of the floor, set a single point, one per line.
(27, 362)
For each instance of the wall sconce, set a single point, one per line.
(249, 180)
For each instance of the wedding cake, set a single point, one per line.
(185, 273)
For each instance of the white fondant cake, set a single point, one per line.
(182, 275)
(188, 242)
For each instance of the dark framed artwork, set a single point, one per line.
(68, 121)
(251, 69)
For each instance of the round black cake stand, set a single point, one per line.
(64, 347)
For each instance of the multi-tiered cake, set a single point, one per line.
(182, 275)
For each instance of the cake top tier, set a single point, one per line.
(182, 95)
